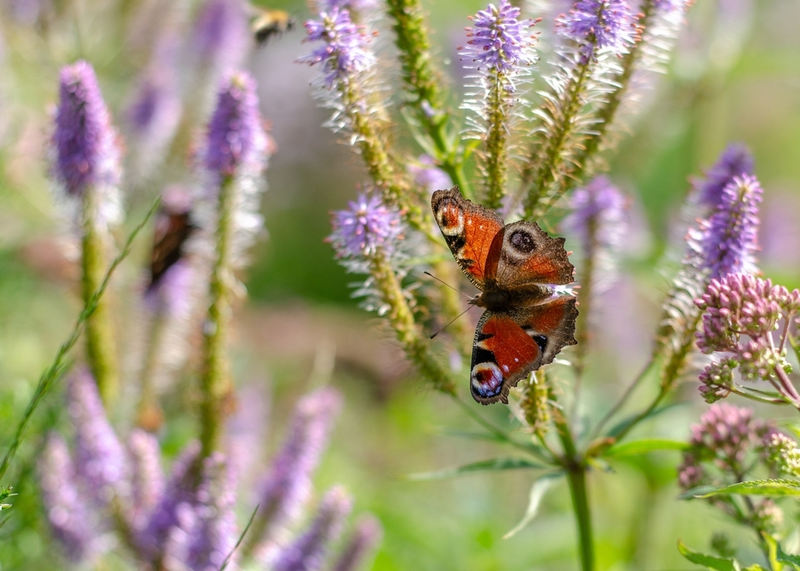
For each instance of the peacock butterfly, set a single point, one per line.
(526, 322)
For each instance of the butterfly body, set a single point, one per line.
(527, 321)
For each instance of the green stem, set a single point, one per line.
(215, 384)
(101, 351)
(576, 476)
(496, 145)
(422, 82)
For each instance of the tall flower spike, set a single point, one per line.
(599, 25)
(308, 551)
(366, 535)
(86, 149)
(220, 37)
(364, 227)
(66, 506)
(100, 458)
(735, 161)
(344, 53)
(213, 535)
(288, 485)
(726, 243)
(499, 49)
(147, 477)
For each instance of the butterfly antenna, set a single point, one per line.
(451, 321)
(448, 285)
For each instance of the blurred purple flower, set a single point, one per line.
(363, 228)
(307, 552)
(178, 494)
(428, 176)
(66, 505)
(288, 485)
(727, 241)
(214, 534)
(499, 42)
(220, 38)
(597, 25)
(147, 477)
(354, 5)
(85, 144)
(236, 138)
(365, 537)
(781, 452)
(344, 53)
(599, 205)
(155, 111)
(100, 458)
(735, 161)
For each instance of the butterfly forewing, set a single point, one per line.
(528, 256)
(468, 230)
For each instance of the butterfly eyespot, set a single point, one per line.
(522, 241)
(541, 341)
(450, 217)
(487, 379)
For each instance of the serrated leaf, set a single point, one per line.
(643, 446)
(782, 557)
(494, 465)
(776, 488)
(708, 561)
(538, 490)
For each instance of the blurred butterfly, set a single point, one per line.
(269, 22)
(173, 227)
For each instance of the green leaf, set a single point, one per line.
(708, 561)
(754, 567)
(494, 465)
(538, 490)
(490, 437)
(638, 447)
(696, 492)
(775, 488)
(782, 557)
(634, 418)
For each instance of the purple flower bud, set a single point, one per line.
(366, 536)
(307, 553)
(220, 38)
(147, 477)
(363, 228)
(598, 25)
(690, 473)
(178, 492)
(735, 161)
(727, 432)
(85, 144)
(236, 140)
(99, 456)
(288, 485)
(726, 242)
(214, 533)
(344, 53)
(782, 453)
(66, 506)
(499, 42)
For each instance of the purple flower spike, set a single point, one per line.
(178, 495)
(69, 519)
(597, 25)
(727, 242)
(220, 36)
(214, 533)
(99, 456)
(363, 228)
(366, 536)
(345, 53)
(236, 139)
(288, 485)
(307, 553)
(735, 161)
(85, 144)
(602, 204)
(147, 477)
(499, 41)
(155, 111)
(427, 175)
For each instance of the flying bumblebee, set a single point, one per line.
(269, 22)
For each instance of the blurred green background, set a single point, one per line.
(735, 76)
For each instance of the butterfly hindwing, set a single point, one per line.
(469, 230)
(509, 345)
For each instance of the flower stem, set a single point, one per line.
(576, 477)
(100, 346)
(215, 385)
(422, 81)
(496, 144)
